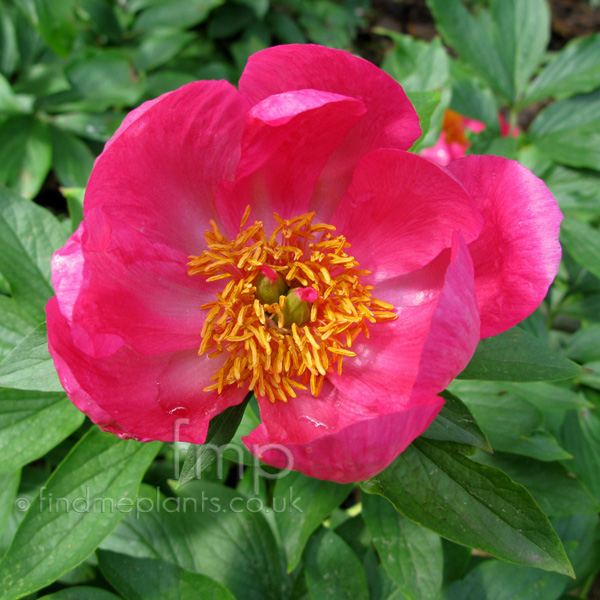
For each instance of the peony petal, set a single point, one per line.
(131, 291)
(390, 121)
(516, 256)
(287, 141)
(412, 207)
(144, 397)
(330, 442)
(161, 173)
(432, 340)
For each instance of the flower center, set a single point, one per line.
(291, 309)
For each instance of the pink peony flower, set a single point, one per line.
(281, 239)
(453, 143)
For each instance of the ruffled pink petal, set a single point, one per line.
(143, 397)
(287, 141)
(517, 254)
(390, 120)
(334, 437)
(400, 212)
(161, 173)
(430, 342)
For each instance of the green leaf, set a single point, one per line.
(553, 488)
(471, 38)
(81, 593)
(8, 493)
(580, 435)
(105, 78)
(510, 421)
(73, 160)
(25, 154)
(55, 22)
(333, 571)
(29, 366)
(75, 510)
(220, 432)
(473, 99)
(494, 580)
(151, 579)
(568, 131)
(15, 324)
(177, 14)
(159, 47)
(29, 235)
(415, 64)
(581, 534)
(312, 501)
(92, 126)
(233, 544)
(582, 242)
(547, 396)
(574, 70)
(516, 355)
(470, 504)
(74, 198)
(411, 554)
(207, 529)
(455, 423)
(9, 103)
(522, 33)
(25, 419)
(574, 189)
(426, 104)
(583, 344)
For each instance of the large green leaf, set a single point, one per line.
(333, 571)
(29, 366)
(301, 504)
(582, 242)
(105, 78)
(568, 131)
(503, 45)
(494, 580)
(8, 493)
(522, 32)
(510, 421)
(25, 154)
(575, 190)
(516, 355)
(76, 509)
(55, 22)
(15, 324)
(152, 579)
(32, 423)
(411, 554)
(207, 529)
(574, 70)
(555, 490)
(29, 235)
(470, 504)
(456, 423)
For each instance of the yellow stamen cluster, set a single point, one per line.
(263, 353)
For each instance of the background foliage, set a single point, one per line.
(431, 524)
